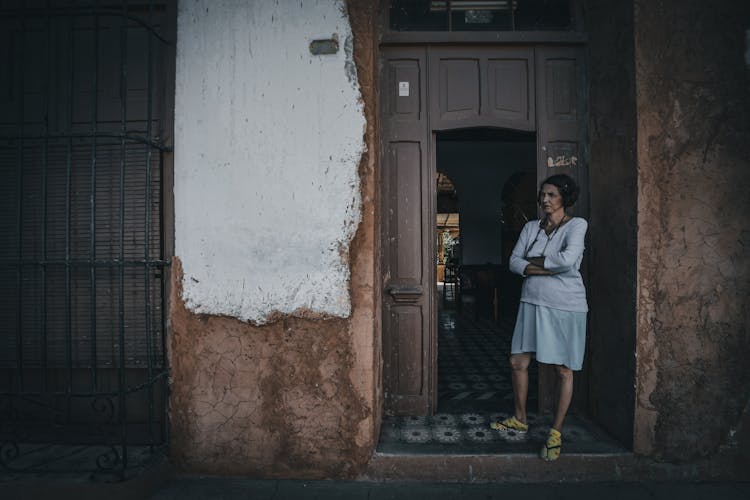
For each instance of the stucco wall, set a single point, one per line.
(693, 238)
(268, 138)
(297, 396)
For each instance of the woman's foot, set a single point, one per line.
(511, 425)
(551, 449)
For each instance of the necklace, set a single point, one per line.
(542, 225)
(549, 222)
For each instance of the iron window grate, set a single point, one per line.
(82, 262)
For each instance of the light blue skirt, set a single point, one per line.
(557, 337)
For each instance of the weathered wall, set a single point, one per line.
(612, 247)
(693, 340)
(268, 138)
(298, 397)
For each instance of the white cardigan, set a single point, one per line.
(563, 252)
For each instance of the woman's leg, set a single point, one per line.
(564, 395)
(520, 374)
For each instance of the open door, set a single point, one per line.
(409, 329)
(561, 142)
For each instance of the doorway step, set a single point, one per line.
(449, 434)
(505, 467)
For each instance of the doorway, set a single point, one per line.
(532, 90)
(432, 99)
(478, 296)
(485, 191)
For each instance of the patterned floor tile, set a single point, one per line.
(474, 389)
(480, 434)
(416, 434)
(447, 434)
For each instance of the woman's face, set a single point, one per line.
(550, 199)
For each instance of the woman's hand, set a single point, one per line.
(535, 270)
(536, 267)
(537, 261)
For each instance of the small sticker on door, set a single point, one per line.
(403, 89)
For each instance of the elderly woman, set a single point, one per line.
(551, 322)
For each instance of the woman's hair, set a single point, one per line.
(566, 185)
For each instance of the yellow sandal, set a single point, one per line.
(511, 424)
(551, 449)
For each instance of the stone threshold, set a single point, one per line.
(510, 467)
(528, 467)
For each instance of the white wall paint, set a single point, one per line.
(267, 142)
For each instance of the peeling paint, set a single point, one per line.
(273, 401)
(351, 68)
(267, 147)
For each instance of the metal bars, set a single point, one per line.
(82, 355)
(121, 313)
(92, 205)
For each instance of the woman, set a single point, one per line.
(551, 320)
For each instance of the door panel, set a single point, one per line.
(409, 334)
(405, 200)
(473, 87)
(560, 86)
(508, 83)
(404, 103)
(561, 143)
(458, 88)
(407, 322)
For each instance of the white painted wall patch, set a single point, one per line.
(268, 138)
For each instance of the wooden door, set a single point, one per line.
(562, 148)
(409, 325)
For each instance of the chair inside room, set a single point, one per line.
(479, 291)
(450, 284)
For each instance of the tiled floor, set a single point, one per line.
(474, 389)
(473, 367)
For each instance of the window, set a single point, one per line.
(83, 365)
(481, 15)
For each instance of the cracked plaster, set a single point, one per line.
(693, 341)
(296, 397)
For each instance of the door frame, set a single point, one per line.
(535, 72)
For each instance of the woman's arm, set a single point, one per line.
(570, 252)
(535, 270)
(517, 263)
